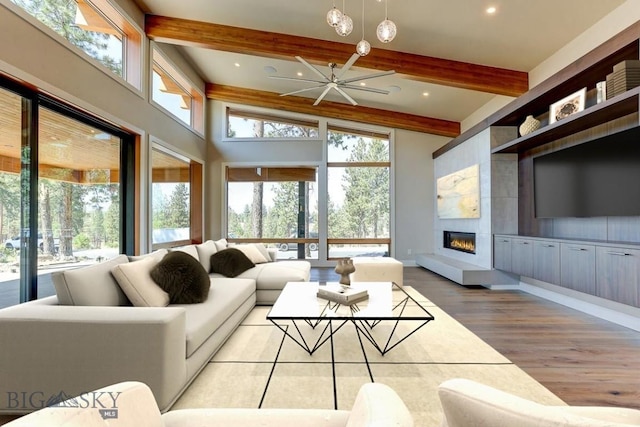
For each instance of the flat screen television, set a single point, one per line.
(597, 178)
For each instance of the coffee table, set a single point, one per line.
(387, 303)
(299, 311)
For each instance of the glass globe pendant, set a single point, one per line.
(334, 16)
(363, 47)
(387, 30)
(345, 26)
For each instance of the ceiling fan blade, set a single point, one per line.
(348, 65)
(346, 95)
(302, 90)
(366, 89)
(312, 68)
(369, 76)
(327, 89)
(295, 79)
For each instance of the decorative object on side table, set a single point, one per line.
(567, 106)
(344, 268)
(529, 125)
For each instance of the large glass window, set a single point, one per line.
(274, 205)
(170, 195)
(62, 202)
(246, 124)
(97, 28)
(175, 93)
(358, 200)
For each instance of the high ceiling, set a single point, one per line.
(514, 40)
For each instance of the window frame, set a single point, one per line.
(133, 41)
(177, 76)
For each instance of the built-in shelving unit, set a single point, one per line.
(607, 111)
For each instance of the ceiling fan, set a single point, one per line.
(335, 81)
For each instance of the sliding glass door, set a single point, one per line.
(62, 199)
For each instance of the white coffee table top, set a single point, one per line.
(299, 300)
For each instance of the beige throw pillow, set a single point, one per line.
(252, 252)
(135, 280)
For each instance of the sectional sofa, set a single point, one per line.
(92, 333)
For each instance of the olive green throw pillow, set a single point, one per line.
(182, 277)
(230, 262)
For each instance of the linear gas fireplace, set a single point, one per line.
(460, 241)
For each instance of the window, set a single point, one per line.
(97, 28)
(64, 193)
(274, 205)
(358, 200)
(244, 124)
(171, 198)
(174, 93)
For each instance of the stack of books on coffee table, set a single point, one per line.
(342, 295)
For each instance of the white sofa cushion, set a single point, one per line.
(274, 275)
(137, 284)
(190, 249)
(221, 244)
(205, 250)
(92, 285)
(159, 254)
(225, 296)
(467, 403)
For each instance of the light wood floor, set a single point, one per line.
(582, 359)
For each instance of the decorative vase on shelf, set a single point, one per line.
(344, 268)
(529, 125)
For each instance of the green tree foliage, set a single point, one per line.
(59, 15)
(9, 205)
(178, 207)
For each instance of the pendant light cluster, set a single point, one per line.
(343, 24)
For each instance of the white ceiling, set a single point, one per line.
(519, 36)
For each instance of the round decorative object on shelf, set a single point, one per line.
(529, 125)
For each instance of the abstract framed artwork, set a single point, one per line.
(567, 106)
(458, 194)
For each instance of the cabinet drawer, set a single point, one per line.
(617, 276)
(522, 257)
(578, 267)
(546, 261)
(502, 253)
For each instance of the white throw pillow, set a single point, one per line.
(252, 252)
(205, 250)
(190, 249)
(221, 244)
(137, 284)
(263, 250)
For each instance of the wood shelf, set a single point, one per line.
(611, 109)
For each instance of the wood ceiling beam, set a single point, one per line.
(283, 46)
(334, 110)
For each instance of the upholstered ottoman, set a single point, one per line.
(377, 269)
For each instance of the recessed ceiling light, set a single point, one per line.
(237, 64)
(425, 93)
(491, 10)
(363, 84)
(299, 73)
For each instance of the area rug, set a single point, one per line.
(259, 367)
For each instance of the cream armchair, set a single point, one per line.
(469, 404)
(131, 404)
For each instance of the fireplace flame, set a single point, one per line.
(465, 245)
